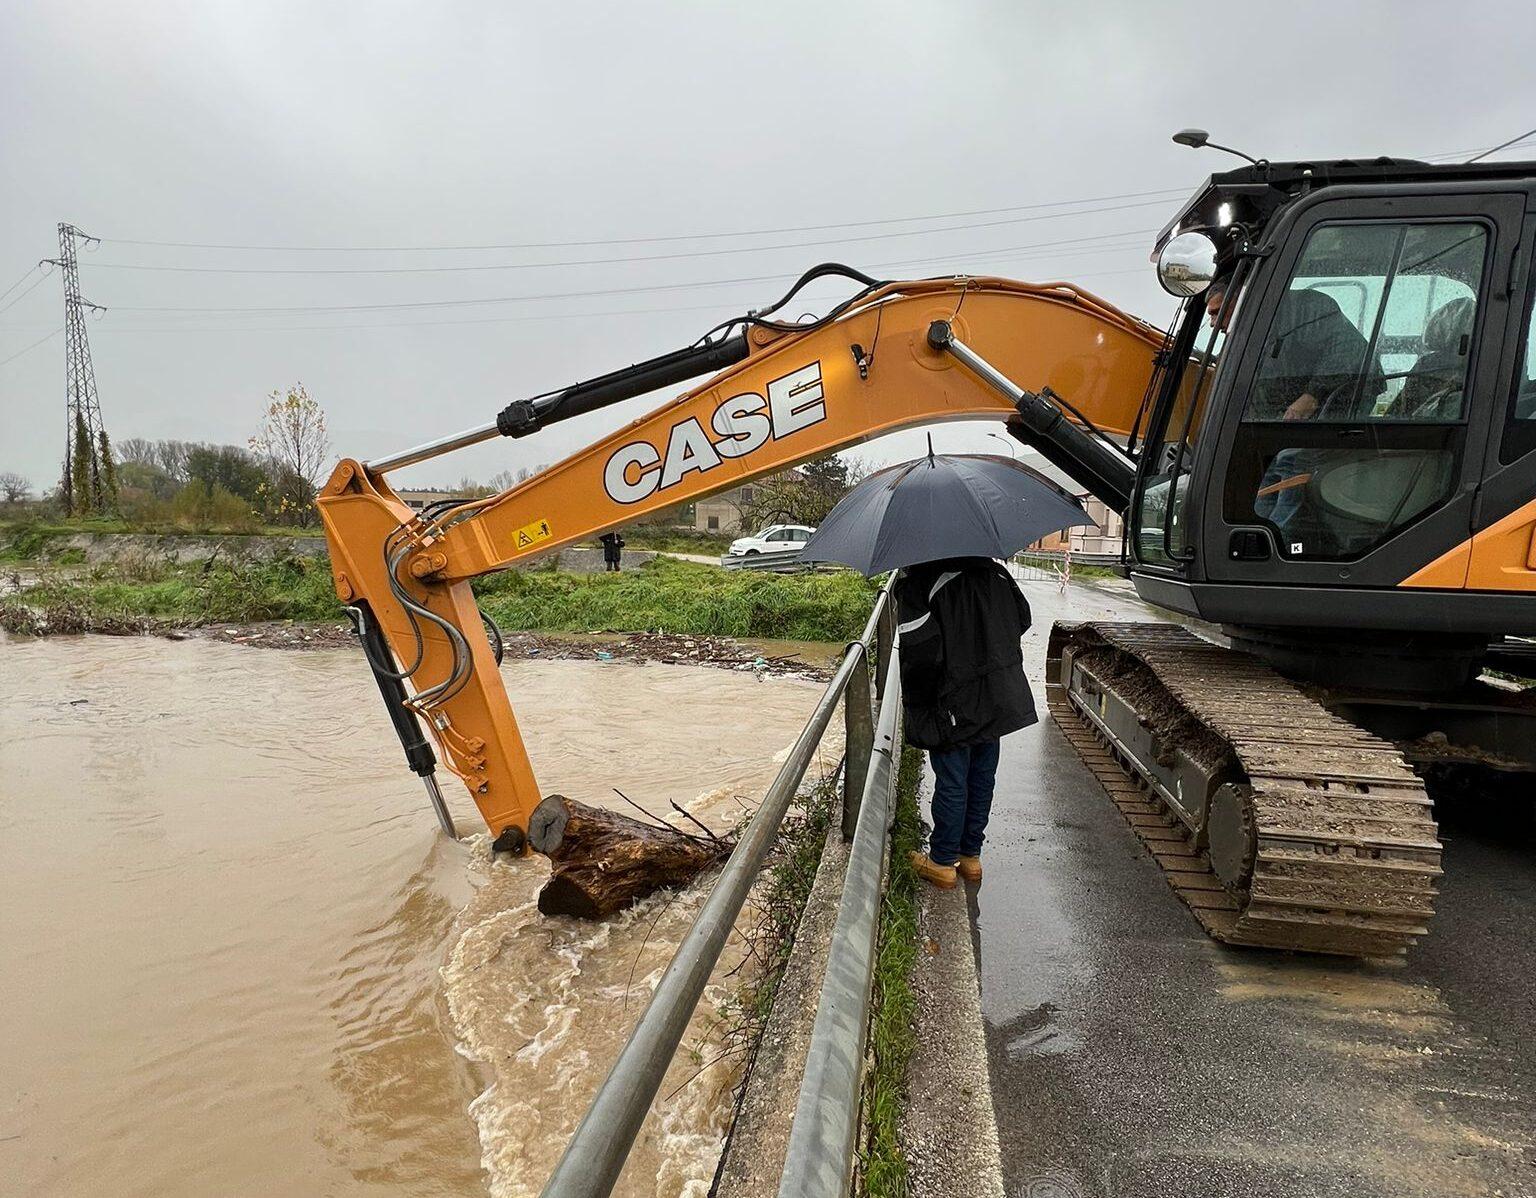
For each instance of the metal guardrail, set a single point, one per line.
(824, 1135)
(596, 1154)
(783, 559)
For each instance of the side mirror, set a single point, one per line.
(1187, 264)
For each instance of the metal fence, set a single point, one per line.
(823, 1135)
(783, 561)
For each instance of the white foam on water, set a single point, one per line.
(544, 1004)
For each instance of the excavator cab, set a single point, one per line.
(1343, 430)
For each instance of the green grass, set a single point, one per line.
(113, 597)
(27, 540)
(779, 902)
(895, 1007)
(1094, 572)
(666, 595)
(674, 540)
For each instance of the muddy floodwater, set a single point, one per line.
(236, 958)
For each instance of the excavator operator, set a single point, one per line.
(1311, 370)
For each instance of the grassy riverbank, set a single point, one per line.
(125, 597)
(33, 540)
(686, 597)
(677, 540)
(662, 596)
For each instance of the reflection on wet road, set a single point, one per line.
(1132, 1056)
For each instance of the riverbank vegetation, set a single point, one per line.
(891, 1034)
(146, 595)
(676, 540)
(664, 595)
(186, 486)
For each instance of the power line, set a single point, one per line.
(23, 295)
(715, 307)
(582, 294)
(34, 345)
(19, 282)
(1502, 145)
(728, 251)
(525, 318)
(653, 239)
(536, 245)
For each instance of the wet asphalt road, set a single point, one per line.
(1133, 1056)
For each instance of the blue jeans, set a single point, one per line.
(962, 800)
(1280, 506)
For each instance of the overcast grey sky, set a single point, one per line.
(390, 123)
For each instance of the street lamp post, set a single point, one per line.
(1013, 450)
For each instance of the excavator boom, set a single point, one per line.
(888, 360)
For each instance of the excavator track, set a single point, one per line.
(1279, 824)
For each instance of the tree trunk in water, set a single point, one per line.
(604, 861)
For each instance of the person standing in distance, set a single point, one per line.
(961, 622)
(613, 551)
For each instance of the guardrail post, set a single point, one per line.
(858, 741)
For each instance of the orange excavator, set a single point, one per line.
(1331, 455)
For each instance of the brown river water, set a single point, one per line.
(236, 957)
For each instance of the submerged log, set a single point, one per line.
(604, 861)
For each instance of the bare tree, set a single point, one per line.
(292, 441)
(139, 450)
(468, 488)
(171, 456)
(505, 480)
(801, 496)
(13, 487)
(858, 469)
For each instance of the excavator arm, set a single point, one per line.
(899, 354)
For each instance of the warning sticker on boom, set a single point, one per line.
(532, 534)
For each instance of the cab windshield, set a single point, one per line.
(1161, 528)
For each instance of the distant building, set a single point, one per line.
(1101, 539)
(416, 500)
(721, 512)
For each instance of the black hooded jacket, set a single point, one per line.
(961, 622)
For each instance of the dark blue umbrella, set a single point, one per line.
(940, 506)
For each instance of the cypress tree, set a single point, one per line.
(108, 500)
(80, 470)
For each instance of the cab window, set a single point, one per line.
(1352, 425)
(1162, 515)
(1520, 428)
(1376, 325)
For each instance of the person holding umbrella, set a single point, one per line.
(613, 551)
(961, 623)
(943, 521)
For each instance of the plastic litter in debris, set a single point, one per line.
(604, 655)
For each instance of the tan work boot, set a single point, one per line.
(969, 868)
(942, 876)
